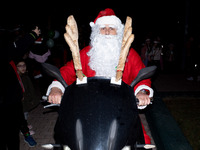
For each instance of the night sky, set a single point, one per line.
(165, 18)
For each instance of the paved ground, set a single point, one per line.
(43, 123)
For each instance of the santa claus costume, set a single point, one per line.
(101, 57)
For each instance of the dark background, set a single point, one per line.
(171, 20)
(166, 17)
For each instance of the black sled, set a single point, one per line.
(99, 115)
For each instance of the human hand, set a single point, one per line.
(143, 98)
(55, 96)
(37, 31)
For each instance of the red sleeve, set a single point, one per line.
(68, 72)
(132, 67)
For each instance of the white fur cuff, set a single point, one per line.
(145, 87)
(55, 84)
(111, 20)
(141, 87)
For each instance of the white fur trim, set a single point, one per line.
(55, 84)
(91, 24)
(142, 107)
(145, 87)
(141, 87)
(111, 20)
(127, 148)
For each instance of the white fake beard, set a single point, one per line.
(104, 54)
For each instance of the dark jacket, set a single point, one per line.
(11, 91)
(30, 99)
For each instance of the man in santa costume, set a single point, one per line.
(101, 59)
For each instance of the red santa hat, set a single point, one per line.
(106, 16)
(39, 40)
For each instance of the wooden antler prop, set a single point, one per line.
(128, 38)
(71, 37)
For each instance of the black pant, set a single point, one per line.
(12, 121)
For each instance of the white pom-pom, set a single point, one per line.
(91, 24)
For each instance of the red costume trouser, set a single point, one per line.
(147, 139)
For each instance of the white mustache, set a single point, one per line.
(104, 55)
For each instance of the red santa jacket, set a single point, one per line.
(132, 67)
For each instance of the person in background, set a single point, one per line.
(30, 100)
(39, 53)
(155, 55)
(170, 65)
(192, 47)
(145, 50)
(11, 110)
